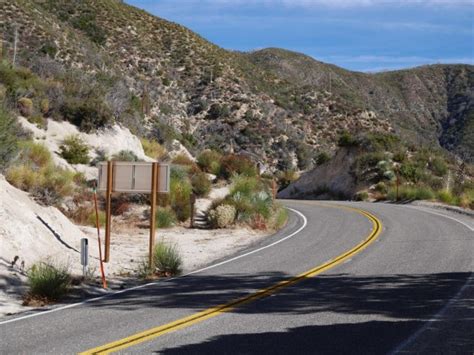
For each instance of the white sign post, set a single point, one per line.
(84, 255)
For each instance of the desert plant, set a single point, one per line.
(125, 155)
(322, 158)
(180, 194)
(222, 216)
(209, 161)
(447, 197)
(36, 154)
(182, 159)
(411, 193)
(346, 140)
(280, 217)
(8, 138)
(25, 105)
(153, 149)
(74, 150)
(44, 106)
(165, 217)
(48, 281)
(201, 184)
(237, 165)
(361, 196)
(167, 259)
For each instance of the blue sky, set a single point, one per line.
(363, 35)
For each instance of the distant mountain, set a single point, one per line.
(102, 60)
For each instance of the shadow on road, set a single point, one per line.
(405, 301)
(395, 296)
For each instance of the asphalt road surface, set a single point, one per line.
(397, 279)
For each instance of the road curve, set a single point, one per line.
(410, 290)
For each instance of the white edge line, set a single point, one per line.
(443, 310)
(422, 209)
(305, 222)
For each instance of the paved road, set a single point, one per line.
(411, 290)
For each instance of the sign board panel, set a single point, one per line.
(134, 177)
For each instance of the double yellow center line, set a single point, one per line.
(215, 311)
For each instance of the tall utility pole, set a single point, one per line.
(15, 44)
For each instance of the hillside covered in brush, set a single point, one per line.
(97, 62)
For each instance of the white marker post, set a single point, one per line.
(84, 255)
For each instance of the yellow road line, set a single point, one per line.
(215, 311)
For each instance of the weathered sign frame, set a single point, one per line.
(131, 177)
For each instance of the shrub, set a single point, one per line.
(180, 196)
(49, 184)
(235, 164)
(411, 193)
(38, 120)
(92, 218)
(182, 159)
(322, 158)
(44, 106)
(153, 149)
(286, 177)
(411, 172)
(439, 166)
(74, 150)
(446, 196)
(25, 106)
(466, 199)
(362, 196)
(201, 184)
(346, 140)
(167, 259)
(48, 281)
(165, 217)
(35, 153)
(8, 138)
(223, 216)
(381, 187)
(125, 155)
(210, 161)
(88, 115)
(280, 217)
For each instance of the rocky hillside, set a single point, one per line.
(103, 61)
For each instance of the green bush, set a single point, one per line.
(167, 259)
(35, 153)
(346, 140)
(411, 193)
(322, 158)
(74, 150)
(438, 166)
(446, 197)
(87, 114)
(165, 217)
(362, 196)
(25, 106)
(48, 281)
(210, 161)
(125, 155)
(280, 217)
(180, 195)
(222, 216)
(237, 165)
(201, 184)
(8, 138)
(153, 149)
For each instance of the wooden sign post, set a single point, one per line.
(133, 177)
(108, 209)
(154, 191)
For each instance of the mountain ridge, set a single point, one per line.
(282, 106)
